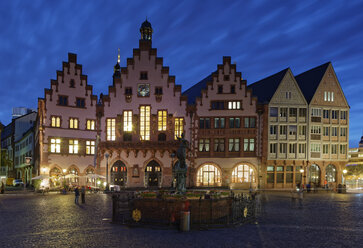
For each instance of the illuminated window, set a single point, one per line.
(55, 121)
(90, 147)
(90, 125)
(248, 145)
(111, 129)
(162, 120)
(209, 175)
(243, 174)
(328, 96)
(178, 127)
(145, 122)
(330, 173)
(204, 145)
(234, 105)
(55, 145)
(73, 146)
(73, 123)
(128, 121)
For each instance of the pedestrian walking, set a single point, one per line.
(83, 194)
(76, 194)
(301, 196)
(2, 188)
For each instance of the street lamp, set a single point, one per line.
(64, 177)
(106, 156)
(344, 172)
(302, 176)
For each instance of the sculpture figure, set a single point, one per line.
(181, 165)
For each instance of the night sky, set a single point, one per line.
(262, 37)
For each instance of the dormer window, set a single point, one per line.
(143, 75)
(72, 84)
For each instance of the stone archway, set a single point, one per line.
(119, 173)
(209, 175)
(153, 174)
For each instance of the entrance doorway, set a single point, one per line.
(153, 174)
(314, 174)
(119, 173)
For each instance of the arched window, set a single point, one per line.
(314, 174)
(209, 175)
(55, 172)
(330, 173)
(88, 172)
(73, 175)
(243, 174)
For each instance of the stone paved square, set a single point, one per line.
(53, 220)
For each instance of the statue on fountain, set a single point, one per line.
(181, 165)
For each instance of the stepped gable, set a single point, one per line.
(266, 88)
(66, 73)
(225, 73)
(309, 81)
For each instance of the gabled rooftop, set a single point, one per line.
(309, 81)
(266, 88)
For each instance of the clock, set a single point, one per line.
(143, 90)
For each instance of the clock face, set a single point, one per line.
(143, 89)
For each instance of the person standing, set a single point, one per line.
(76, 194)
(83, 194)
(2, 188)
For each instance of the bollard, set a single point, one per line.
(184, 221)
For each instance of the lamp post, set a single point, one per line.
(27, 162)
(173, 183)
(106, 156)
(344, 172)
(302, 176)
(251, 170)
(64, 177)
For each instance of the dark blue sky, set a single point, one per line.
(262, 37)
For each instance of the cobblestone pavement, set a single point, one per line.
(53, 220)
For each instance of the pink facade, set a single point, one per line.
(63, 131)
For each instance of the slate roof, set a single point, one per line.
(196, 90)
(266, 88)
(309, 81)
(6, 132)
